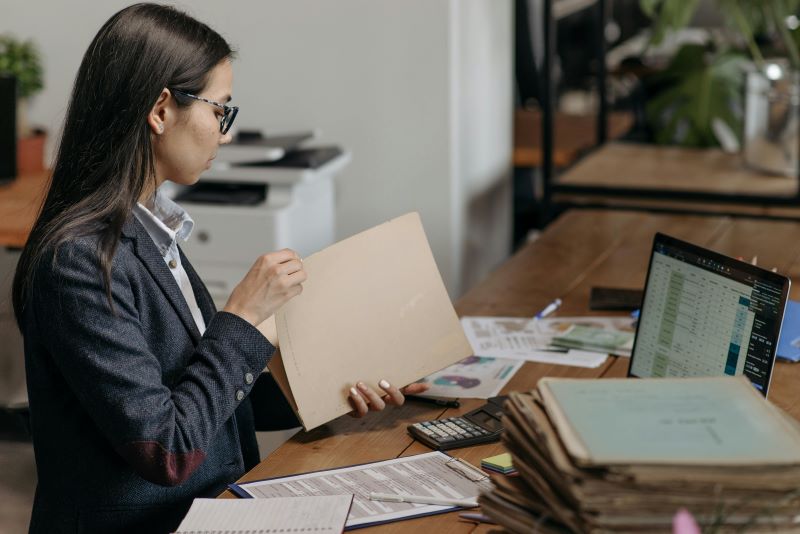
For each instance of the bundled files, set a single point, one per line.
(625, 455)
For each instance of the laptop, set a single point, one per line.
(706, 314)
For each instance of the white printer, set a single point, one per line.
(261, 195)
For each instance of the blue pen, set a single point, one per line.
(550, 308)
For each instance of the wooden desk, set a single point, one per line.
(648, 176)
(573, 135)
(579, 250)
(19, 205)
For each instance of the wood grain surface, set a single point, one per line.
(581, 249)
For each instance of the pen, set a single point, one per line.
(480, 518)
(550, 308)
(423, 499)
(432, 400)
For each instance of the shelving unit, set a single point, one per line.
(700, 188)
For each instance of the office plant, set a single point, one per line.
(22, 60)
(700, 93)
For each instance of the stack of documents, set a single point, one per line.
(625, 455)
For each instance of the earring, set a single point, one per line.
(160, 128)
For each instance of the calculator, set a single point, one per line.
(482, 425)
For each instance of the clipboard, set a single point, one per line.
(460, 468)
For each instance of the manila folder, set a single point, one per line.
(373, 308)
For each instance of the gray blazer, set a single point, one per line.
(133, 413)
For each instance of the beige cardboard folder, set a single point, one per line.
(374, 307)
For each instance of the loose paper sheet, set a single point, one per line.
(319, 513)
(529, 339)
(474, 377)
(374, 307)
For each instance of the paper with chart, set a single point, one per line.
(373, 308)
(531, 340)
(474, 377)
(321, 514)
(431, 474)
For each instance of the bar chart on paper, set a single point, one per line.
(695, 323)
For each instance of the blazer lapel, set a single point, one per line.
(146, 251)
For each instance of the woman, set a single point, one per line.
(138, 389)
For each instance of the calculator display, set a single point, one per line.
(486, 420)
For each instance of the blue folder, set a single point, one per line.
(789, 343)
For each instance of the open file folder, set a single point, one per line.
(374, 307)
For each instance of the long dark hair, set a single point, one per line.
(105, 159)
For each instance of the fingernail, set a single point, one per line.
(354, 392)
(362, 386)
(384, 384)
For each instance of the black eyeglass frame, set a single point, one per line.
(229, 112)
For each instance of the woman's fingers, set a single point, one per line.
(364, 398)
(360, 407)
(373, 399)
(416, 388)
(393, 395)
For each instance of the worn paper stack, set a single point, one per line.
(625, 455)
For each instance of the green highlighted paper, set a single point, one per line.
(594, 339)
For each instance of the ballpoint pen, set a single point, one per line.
(448, 403)
(550, 308)
(423, 499)
(478, 518)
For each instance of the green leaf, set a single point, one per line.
(21, 60)
(700, 86)
(668, 15)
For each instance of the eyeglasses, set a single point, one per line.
(229, 112)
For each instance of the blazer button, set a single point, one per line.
(248, 378)
(240, 395)
(172, 264)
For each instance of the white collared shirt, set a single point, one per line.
(166, 222)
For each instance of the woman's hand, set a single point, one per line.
(269, 284)
(364, 398)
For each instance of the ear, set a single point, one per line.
(160, 113)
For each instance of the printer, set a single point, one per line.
(261, 194)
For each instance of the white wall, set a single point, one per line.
(419, 90)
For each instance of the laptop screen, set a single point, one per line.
(706, 314)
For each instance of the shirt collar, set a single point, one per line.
(164, 220)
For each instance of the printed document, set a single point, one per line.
(474, 377)
(322, 514)
(432, 474)
(529, 339)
